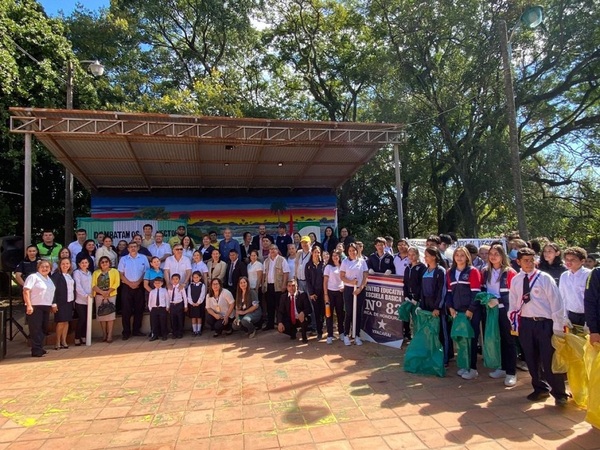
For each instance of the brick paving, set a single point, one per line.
(269, 392)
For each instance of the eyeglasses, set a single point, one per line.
(178, 249)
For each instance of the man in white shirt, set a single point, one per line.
(75, 247)
(178, 264)
(535, 303)
(147, 240)
(275, 280)
(401, 261)
(160, 249)
(572, 285)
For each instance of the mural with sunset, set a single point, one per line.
(239, 210)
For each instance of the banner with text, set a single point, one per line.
(125, 229)
(384, 294)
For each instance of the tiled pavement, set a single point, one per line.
(269, 392)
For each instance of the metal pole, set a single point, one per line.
(88, 331)
(27, 193)
(68, 174)
(511, 115)
(399, 191)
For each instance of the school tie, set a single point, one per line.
(173, 295)
(526, 289)
(157, 296)
(292, 310)
(230, 281)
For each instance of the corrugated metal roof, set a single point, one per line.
(117, 150)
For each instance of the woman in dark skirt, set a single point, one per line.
(64, 297)
(196, 305)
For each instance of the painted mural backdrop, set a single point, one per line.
(240, 211)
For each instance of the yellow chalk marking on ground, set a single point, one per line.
(26, 422)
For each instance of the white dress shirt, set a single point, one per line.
(572, 288)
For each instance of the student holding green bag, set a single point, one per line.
(496, 280)
(464, 282)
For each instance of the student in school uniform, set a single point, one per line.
(591, 302)
(158, 304)
(463, 284)
(572, 285)
(536, 306)
(196, 294)
(413, 279)
(178, 306)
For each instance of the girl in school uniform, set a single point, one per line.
(196, 306)
(551, 261)
(496, 279)
(463, 284)
(413, 278)
(433, 292)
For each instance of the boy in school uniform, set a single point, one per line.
(572, 285)
(178, 306)
(158, 305)
(535, 304)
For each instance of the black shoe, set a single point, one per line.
(200, 333)
(138, 333)
(153, 338)
(537, 396)
(293, 337)
(164, 338)
(216, 334)
(319, 336)
(124, 337)
(44, 352)
(37, 355)
(305, 340)
(561, 401)
(228, 332)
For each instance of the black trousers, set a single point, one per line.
(177, 319)
(508, 346)
(319, 312)
(217, 325)
(272, 298)
(336, 303)
(81, 329)
(158, 321)
(349, 304)
(292, 329)
(132, 306)
(535, 337)
(38, 323)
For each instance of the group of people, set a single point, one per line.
(289, 284)
(538, 294)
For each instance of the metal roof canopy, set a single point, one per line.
(137, 151)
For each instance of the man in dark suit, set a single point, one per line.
(298, 304)
(236, 268)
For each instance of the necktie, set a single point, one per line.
(231, 274)
(173, 295)
(526, 289)
(157, 296)
(292, 310)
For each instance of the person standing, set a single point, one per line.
(28, 266)
(591, 303)
(283, 240)
(38, 295)
(64, 296)
(106, 250)
(333, 287)
(276, 273)
(178, 264)
(147, 239)
(302, 258)
(158, 304)
(379, 261)
(76, 246)
(401, 260)
(314, 288)
(235, 269)
(330, 241)
(160, 249)
(536, 305)
(48, 249)
(105, 283)
(228, 244)
(132, 268)
(413, 280)
(572, 286)
(178, 305)
(354, 273)
(83, 291)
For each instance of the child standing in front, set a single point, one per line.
(178, 306)
(196, 293)
(158, 306)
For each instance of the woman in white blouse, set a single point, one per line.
(220, 306)
(38, 295)
(334, 288)
(108, 251)
(83, 289)
(353, 273)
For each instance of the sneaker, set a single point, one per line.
(461, 372)
(347, 340)
(358, 341)
(330, 340)
(522, 365)
(498, 373)
(510, 380)
(470, 374)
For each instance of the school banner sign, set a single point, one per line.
(126, 229)
(384, 294)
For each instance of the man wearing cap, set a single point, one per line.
(302, 258)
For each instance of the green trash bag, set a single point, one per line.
(462, 333)
(492, 356)
(406, 310)
(425, 354)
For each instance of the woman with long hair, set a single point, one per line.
(330, 241)
(198, 265)
(314, 287)
(551, 261)
(188, 247)
(496, 280)
(216, 267)
(463, 284)
(433, 292)
(64, 296)
(106, 250)
(354, 273)
(333, 288)
(29, 264)
(207, 248)
(413, 279)
(247, 308)
(88, 251)
(220, 307)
